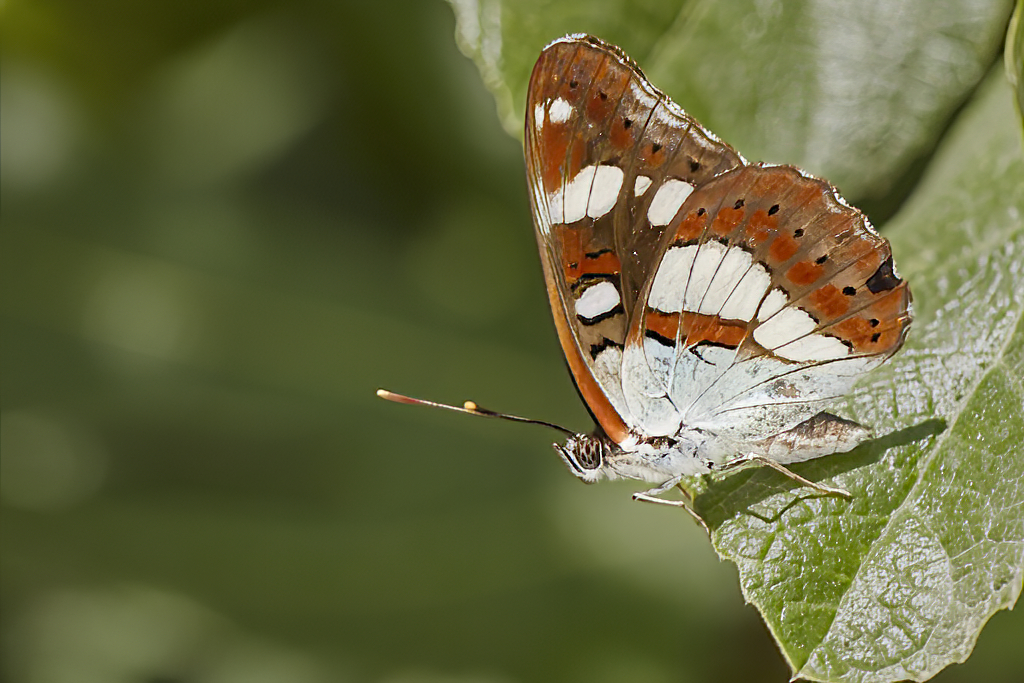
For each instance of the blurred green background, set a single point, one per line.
(224, 225)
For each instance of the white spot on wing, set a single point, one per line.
(538, 116)
(569, 204)
(607, 182)
(773, 303)
(813, 347)
(785, 326)
(597, 300)
(593, 192)
(730, 270)
(709, 257)
(667, 201)
(560, 111)
(641, 185)
(556, 215)
(742, 303)
(671, 278)
(577, 192)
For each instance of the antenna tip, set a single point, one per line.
(383, 393)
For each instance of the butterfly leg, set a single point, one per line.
(651, 496)
(761, 460)
(660, 489)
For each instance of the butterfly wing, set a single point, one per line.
(771, 297)
(610, 159)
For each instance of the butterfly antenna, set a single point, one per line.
(469, 407)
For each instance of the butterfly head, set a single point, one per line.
(584, 455)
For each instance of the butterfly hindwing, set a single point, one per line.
(770, 297)
(610, 159)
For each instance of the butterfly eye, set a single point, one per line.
(589, 454)
(583, 455)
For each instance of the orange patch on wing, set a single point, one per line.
(652, 156)
(571, 240)
(879, 327)
(664, 324)
(598, 107)
(726, 221)
(865, 337)
(710, 328)
(575, 162)
(854, 330)
(620, 136)
(885, 339)
(782, 248)
(892, 304)
(606, 263)
(554, 143)
(830, 302)
(804, 273)
(759, 227)
(691, 227)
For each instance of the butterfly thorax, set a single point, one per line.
(594, 456)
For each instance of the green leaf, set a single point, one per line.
(1014, 54)
(897, 583)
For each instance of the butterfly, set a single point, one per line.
(709, 309)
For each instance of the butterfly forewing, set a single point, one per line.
(610, 160)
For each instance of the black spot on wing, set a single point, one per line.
(661, 339)
(884, 278)
(698, 348)
(602, 316)
(589, 279)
